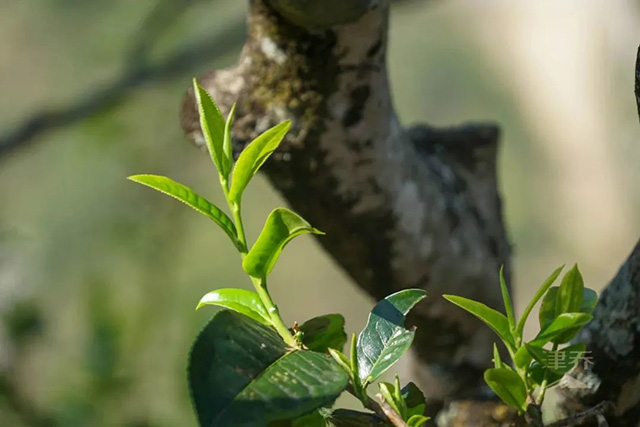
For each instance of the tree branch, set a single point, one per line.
(415, 207)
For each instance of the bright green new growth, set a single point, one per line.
(246, 364)
(564, 311)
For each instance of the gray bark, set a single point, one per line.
(402, 207)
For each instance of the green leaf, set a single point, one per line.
(241, 300)
(384, 339)
(324, 332)
(508, 386)
(492, 318)
(253, 156)
(560, 361)
(282, 225)
(548, 312)
(522, 358)
(562, 329)
(497, 362)
(417, 420)
(506, 298)
(341, 360)
(388, 390)
(541, 291)
(569, 298)
(213, 125)
(241, 373)
(187, 196)
(538, 373)
(589, 301)
(227, 144)
(414, 399)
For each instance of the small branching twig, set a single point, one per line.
(600, 409)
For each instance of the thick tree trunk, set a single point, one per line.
(416, 207)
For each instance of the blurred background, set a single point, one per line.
(99, 277)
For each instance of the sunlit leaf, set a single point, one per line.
(240, 300)
(559, 361)
(212, 124)
(506, 298)
(417, 420)
(253, 156)
(190, 198)
(508, 386)
(539, 294)
(281, 227)
(492, 318)
(569, 297)
(562, 329)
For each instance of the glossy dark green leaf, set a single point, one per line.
(253, 156)
(539, 294)
(324, 332)
(506, 298)
(190, 198)
(384, 339)
(240, 300)
(281, 227)
(241, 373)
(562, 329)
(212, 124)
(569, 298)
(492, 318)
(508, 386)
(414, 399)
(559, 361)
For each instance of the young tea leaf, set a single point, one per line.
(388, 390)
(548, 311)
(506, 298)
(569, 297)
(384, 339)
(253, 156)
(562, 329)
(241, 373)
(497, 361)
(522, 358)
(541, 291)
(324, 332)
(417, 421)
(240, 300)
(187, 196)
(282, 225)
(492, 318)
(508, 386)
(227, 144)
(213, 125)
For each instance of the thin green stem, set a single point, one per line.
(545, 381)
(260, 285)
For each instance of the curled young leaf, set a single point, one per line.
(281, 227)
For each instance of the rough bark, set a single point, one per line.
(402, 207)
